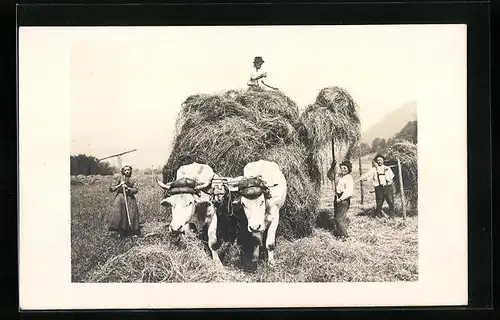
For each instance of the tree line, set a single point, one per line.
(408, 133)
(87, 165)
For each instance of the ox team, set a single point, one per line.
(261, 192)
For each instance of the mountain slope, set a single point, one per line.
(391, 123)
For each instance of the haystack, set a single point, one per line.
(230, 129)
(301, 207)
(334, 114)
(408, 155)
(170, 260)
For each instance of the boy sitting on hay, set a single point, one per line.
(256, 83)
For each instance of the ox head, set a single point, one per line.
(183, 198)
(252, 195)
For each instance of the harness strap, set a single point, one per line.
(378, 177)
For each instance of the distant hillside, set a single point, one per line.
(391, 123)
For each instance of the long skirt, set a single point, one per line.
(340, 217)
(119, 221)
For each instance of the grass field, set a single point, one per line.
(379, 249)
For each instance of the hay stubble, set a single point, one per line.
(378, 250)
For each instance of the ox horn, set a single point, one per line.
(206, 184)
(165, 186)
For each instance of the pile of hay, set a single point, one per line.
(299, 214)
(181, 260)
(408, 156)
(334, 114)
(230, 129)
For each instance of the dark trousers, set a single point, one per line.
(340, 217)
(384, 193)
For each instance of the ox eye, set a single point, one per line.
(190, 203)
(243, 204)
(262, 203)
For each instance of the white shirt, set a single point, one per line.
(383, 174)
(345, 185)
(255, 74)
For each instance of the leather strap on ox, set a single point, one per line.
(252, 188)
(183, 185)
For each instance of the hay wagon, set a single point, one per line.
(228, 130)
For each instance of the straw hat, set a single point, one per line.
(348, 164)
(258, 60)
(379, 156)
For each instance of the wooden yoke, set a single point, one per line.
(219, 184)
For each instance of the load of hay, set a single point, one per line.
(334, 114)
(408, 156)
(230, 129)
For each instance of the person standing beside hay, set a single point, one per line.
(255, 82)
(382, 177)
(125, 215)
(344, 190)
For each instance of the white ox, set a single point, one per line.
(190, 204)
(263, 211)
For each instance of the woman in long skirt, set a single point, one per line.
(125, 224)
(345, 188)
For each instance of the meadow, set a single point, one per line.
(378, 249)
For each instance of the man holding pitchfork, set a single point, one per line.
(125, 212)
(344, 188)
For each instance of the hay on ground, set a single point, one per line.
(184, 260)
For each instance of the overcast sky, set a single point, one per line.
(127, 84)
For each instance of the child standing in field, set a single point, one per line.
(125, 222)
(344, 189)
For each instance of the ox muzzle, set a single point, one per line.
(179, 186)
(253, 188)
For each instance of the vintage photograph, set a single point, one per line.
(244, 154)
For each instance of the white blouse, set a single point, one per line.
(345, 185)
(253, 75)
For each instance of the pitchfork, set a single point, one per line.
(126, 205)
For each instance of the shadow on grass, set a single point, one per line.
(398, 211)
(325, 219)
